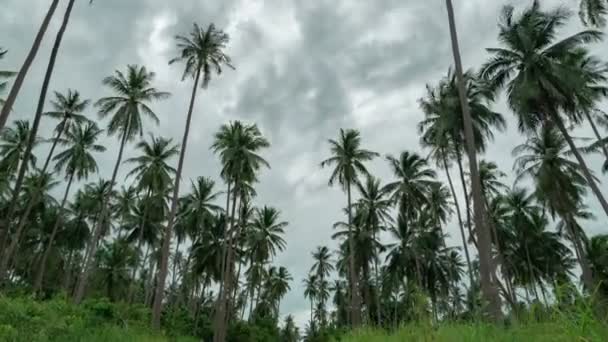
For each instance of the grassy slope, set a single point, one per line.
(23, 319)
(557, 331)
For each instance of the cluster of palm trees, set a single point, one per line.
(122, 236)
(551, 85)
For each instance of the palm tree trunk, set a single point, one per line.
(47, 251)
(12, 247)
(67, 269)
(164, 260)
(355, 305)
(581, 162)
(137, 266)
(220, 312)
(488, 289)
(587, 275)
(38, 115)
(597, 134)
(92, 248)
(12, 96)
(467, 199)
(377, 294)
(39, 109)
(460, 223)
(174, 271)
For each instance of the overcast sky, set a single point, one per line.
(304, 69)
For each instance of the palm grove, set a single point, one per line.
(208, 249)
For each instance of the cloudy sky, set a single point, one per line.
(304, 69)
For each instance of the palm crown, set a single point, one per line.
(77, 159)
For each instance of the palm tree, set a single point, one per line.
(310, 292)
(125, 205)
(593, 12)
(546, 83)
(37, 186)
(597, 252)
(202, 52)
(8, 105)
(238, 146)
(39, 108)
(115, 259)
(13, 144)
(133, 93)
(347, 159)
(414, 180)
(12, 148)
(4, 75)
(265, 236)
(79, 163)
(278, 286)
(559, 182)
(322, 268)
(290, 332)
(489, 290)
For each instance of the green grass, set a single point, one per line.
(542, 332)
(24, 319)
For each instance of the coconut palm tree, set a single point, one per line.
(322, 268)
(39, 108)
(488, 288)
(37, 187)
(134, 92)
(78, 163)
(348, 160)
(238, 146)
(203, 53)
(3, 76)
(125, 205)
(593, 12)
(13, 143)
(559, 182)
(29, 59)
(414, 181)
(265, 237)
(68, 110)
(310, 292)
(546, 84)
(597, 252)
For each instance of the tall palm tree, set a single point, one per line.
(322, 268)
(488, 288)
(4, 75)
(545, 81)
(348, 160)
(37, 186)
(310, 292)
(39, 108)
(202, 53)
(68, 109)
(265, 236)
(593, 12)
(13, 142)
(559, 183)
(78, 163)
(238, 146)
(8, 105)
(414, 181)
(133, 93)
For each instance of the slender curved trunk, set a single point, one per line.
(29, 59)
(174, 271)
(67, 275)
(38, 115)
(164, 260)
(488, 288)
(587, 275)
(467, 199)
(597, 134)
(47, 251)
(92, 248)
(377, 281)
(460, 223)
(219, 334)
(581, 162)
(12, 247)
(355, 304)
(140, 244)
